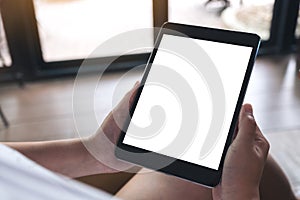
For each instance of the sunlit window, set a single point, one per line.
(243, 15)
(72, 29)
(5, 59)
(297, 31)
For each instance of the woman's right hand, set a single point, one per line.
(244, 161)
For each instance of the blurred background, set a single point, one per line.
(58, 34)
(44, 42)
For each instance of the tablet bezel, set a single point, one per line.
(190, 171)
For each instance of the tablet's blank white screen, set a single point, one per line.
(230, 61)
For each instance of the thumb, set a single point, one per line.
(133, 92)
(247, 125)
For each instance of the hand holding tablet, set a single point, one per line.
(186, 109)
(245, 161)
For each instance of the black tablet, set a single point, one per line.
(185, 112)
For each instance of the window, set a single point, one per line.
(52, 37)
(72, 29)
(5, 59)
(297, 32)
(242, 15)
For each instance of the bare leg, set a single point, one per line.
(274, 184)
(154, 185)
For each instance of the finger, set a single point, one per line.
(137, 83)
(135, 86)
(246, 109)
(262, 143)
(247, 125)
(134, 92)
(127, 100)
(236, 130)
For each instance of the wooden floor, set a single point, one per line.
(274, 91)
(43, 110)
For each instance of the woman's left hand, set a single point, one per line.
(102, 144)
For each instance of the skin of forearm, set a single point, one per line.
(67, 157)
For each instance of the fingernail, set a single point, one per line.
(248, 108)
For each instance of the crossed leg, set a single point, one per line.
(153, 185)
